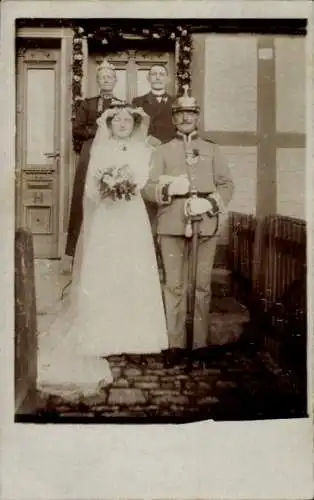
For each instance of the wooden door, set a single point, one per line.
(38, 147)
(132, 67)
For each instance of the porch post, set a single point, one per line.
(65, 135)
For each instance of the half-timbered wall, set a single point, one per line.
(252, 92)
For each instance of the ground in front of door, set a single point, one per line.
(233, 385)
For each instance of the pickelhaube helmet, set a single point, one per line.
(185, 102)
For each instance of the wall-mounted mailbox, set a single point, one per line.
(38, 201)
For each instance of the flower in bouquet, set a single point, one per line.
(117, 183)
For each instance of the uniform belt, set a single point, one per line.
(188, 195)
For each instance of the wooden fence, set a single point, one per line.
(283, 258)
(25, 322)
(268, 261)
(242, 230)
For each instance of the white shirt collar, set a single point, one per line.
(158, 93)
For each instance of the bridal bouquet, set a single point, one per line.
(117, 183)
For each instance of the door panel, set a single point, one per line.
(38, 147)
(40, 116)
(142, 83)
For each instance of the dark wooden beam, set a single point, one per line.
(295, 27)
(266, 196)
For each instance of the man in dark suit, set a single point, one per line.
(158, 105)
(84, 131)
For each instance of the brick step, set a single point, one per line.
(221, 282)
(227, 320)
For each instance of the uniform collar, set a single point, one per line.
(187, 137)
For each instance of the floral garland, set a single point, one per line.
(184, 76)
(77, 75)
(110, 36)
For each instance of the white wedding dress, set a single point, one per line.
(115, 304)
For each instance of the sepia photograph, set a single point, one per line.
(160, 220)
(157, 249)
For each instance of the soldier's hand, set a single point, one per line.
(179, 186)
(199, 206)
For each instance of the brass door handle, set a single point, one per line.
(52, 155)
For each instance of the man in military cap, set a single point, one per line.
(84, 131)
(185, 164)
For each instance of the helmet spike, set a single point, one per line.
(185, 102)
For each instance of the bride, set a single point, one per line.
(115, 303)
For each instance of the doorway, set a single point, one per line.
(43, 136)
(38, 146)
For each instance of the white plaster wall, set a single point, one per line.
(291, 182)
(243, 166)
(230, 87)
(290, 84)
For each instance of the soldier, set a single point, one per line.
(84, 130)
(185, 164)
